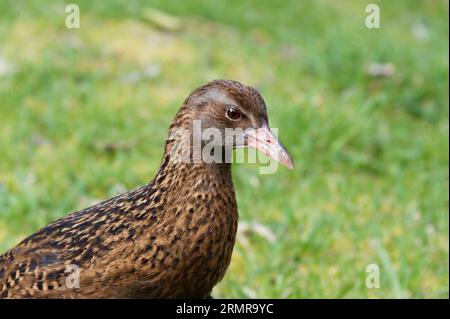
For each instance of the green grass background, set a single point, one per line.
(371, 178)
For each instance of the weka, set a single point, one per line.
(171, 238)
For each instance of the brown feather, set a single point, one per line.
(172, 238)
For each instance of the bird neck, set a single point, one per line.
(185, 160)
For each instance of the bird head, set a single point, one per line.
(237, 114)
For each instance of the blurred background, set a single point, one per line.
(84, 115)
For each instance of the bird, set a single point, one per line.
(171, 238)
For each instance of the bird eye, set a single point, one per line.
(233, 114)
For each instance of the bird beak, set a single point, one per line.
(264, 140)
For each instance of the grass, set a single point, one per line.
(371, 180)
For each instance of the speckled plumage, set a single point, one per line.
(172, 238)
